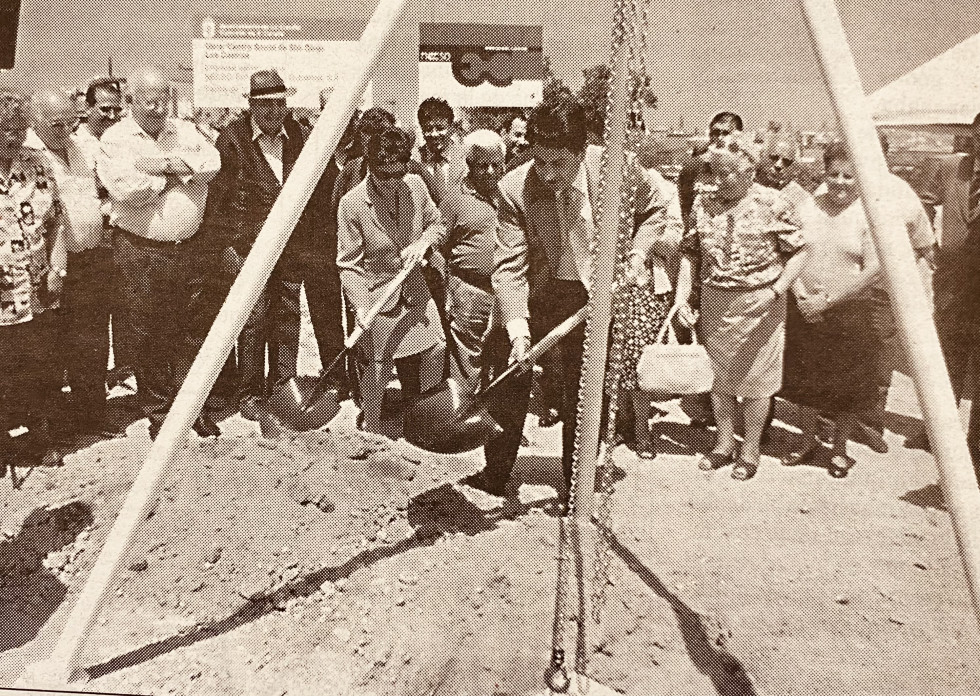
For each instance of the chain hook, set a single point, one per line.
(556, 676)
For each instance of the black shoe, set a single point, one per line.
(549, 419)
(480, 481)
(206, 427)
(703, 422)
(919, 442)
(250, 408)
(868, 435)
(155, 429)
(117, 376)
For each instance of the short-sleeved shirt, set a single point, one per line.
(471, 224)
(162, 208)
(746, 246)
(29, 208)
(840, 244)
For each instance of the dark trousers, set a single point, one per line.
(156, 282)
(274, 326)
(959, 337)
(324, 297)
(30, 380)
(469, 309)
(888, 346)
(85, 306)
(509, 403)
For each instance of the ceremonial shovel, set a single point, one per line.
(307, 403)
(447, 420)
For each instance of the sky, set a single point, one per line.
(753, 57)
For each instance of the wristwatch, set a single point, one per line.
(62, 272)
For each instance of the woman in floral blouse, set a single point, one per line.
(33, 262)
(751, 249)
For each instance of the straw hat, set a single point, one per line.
(266, 84)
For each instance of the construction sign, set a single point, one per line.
(472, 65)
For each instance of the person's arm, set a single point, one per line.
(117, 170)
(509, 278)
(219, 215)
(196, 159)
(350, 256)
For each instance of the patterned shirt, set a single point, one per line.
(29, 213)
(746, 246)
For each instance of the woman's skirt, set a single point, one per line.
(645, 315)
(832, 365)
(744, 340)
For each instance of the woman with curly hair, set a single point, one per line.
(833, 351)
(751, 249)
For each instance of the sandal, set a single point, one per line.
(801, 456)
(840, 465)
(715, 460)
(744, 470)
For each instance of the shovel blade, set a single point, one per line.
(284, 405)
(447, 420)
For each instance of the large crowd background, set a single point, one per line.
(118, 214)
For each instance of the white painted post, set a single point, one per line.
(64, 664)
(908, 298)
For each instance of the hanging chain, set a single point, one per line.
(557, 675)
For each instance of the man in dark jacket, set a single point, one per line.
(258, 151)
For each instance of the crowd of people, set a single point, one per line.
(133, 219)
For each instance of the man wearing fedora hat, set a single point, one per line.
(258, 151)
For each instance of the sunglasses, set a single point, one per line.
(785, 160)
(110, 110)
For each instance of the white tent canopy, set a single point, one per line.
(943, 92)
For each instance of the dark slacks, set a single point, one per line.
(30, 380)
(324, 297)
(156, 286)
(274, 326)
(959, 337)
(509, 403)
(469, 308)
(85, 305)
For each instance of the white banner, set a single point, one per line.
(226, 55)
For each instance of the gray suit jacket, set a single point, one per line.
(529, 243)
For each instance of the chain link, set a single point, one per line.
(603, 554)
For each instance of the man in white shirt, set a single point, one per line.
(156, 170)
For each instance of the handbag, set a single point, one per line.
(669, 367)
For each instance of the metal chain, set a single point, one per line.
(557, 675)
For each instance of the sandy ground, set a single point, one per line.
(334, 563)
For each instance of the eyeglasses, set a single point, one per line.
(107, 110)
(67, 125)
(776, 159)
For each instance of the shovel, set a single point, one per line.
(447, 420)
(308, 403)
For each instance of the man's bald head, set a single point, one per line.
(53, 117)
(778, 164)
(151, 93)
